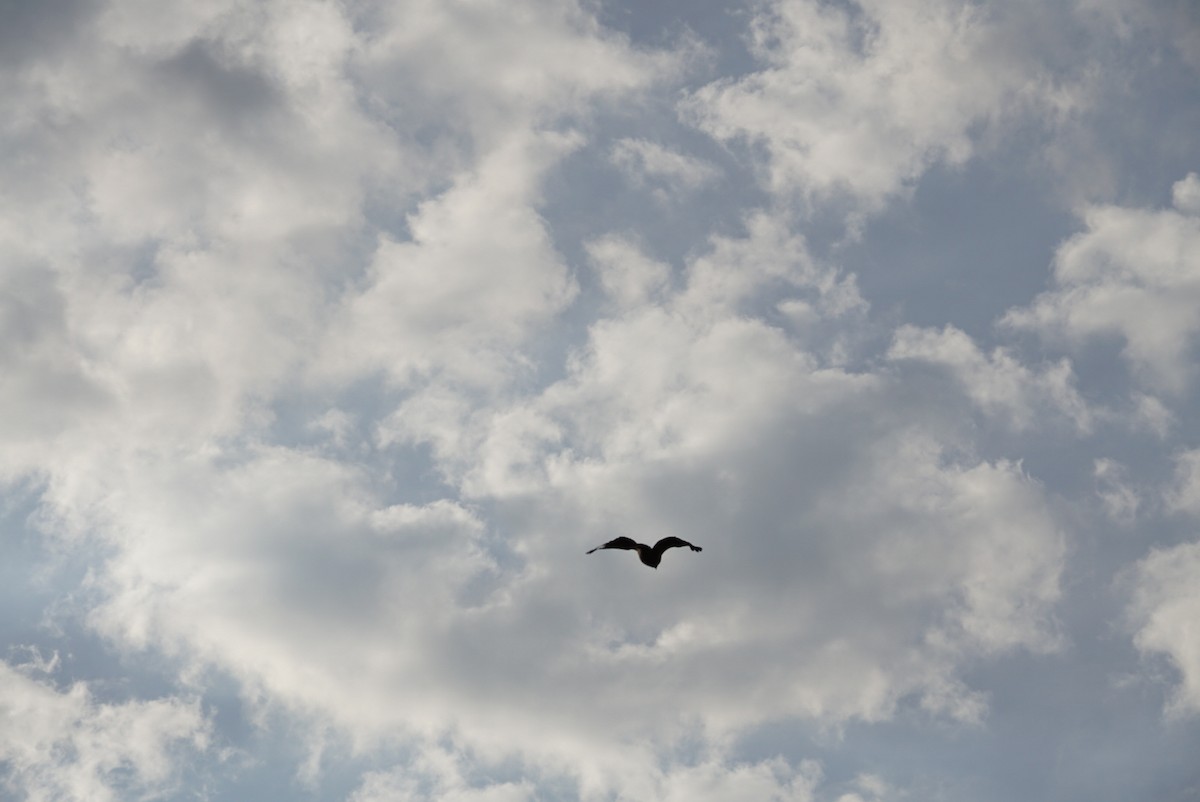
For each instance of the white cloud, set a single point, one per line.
(461, 296)
(997, 383)
(346, 559)
(1185, 194)
(628, 276)
(437, 773)
(771, 264)
(233, 165)
(864, 97)
(644, 162)
(699, 436)
(1133, 273)
(177, 231)
(856, 559)
(712, 782)
(1164, 608)
(65, 745)
(213, 180)
(1184, 494)
(276, 265)
(440, 773)
(490, 66)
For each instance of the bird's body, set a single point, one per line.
(650, 555)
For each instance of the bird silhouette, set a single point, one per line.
(651, 556)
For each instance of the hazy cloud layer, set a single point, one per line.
(332, 335)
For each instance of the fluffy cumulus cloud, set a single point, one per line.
(1134, 274)
(332, 335)
(644, 162)
(477, 274)
(863, 97)
(1165, 601)
(998, 383)
(1164, 607)
(64, 744)
(291, 569)
(439, 774)
(709, 435)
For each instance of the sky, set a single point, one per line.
(333, 335)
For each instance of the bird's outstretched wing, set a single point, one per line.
(672, 542)
(619, 543)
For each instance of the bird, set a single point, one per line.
(651, 556)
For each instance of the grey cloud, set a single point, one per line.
(49, 387)
(233, 93)
(36, 30)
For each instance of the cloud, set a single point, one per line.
(1152, 414)
(862, 98)
(997, 383)
(1185, 194)
(1164, 605)
(228, 169)
(318, 375)
(479, 71)
(211, 179)
(1120, 501)
(49, 386)
(478, 274)
(1175, 24)
(1163, 598)
(1132, 273)
(772, 779)
(437, 772)
(626, 274)
(644, 162)
(708, 435)
(66, 745)
(867, 787)
(857, 557)
(1184, 494)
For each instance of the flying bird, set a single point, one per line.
(651, 556)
